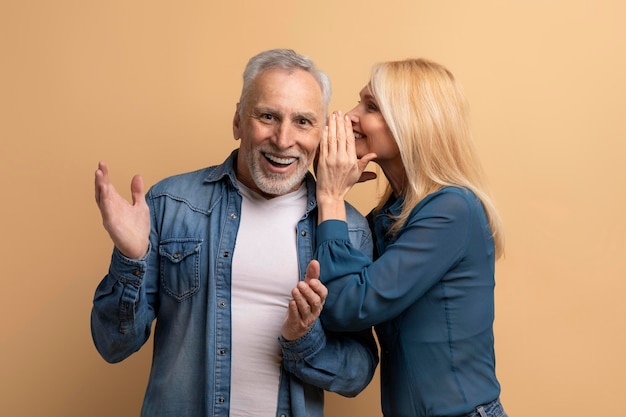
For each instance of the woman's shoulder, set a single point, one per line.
(451, 194)
(450, 199)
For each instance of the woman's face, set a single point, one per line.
(371, 131)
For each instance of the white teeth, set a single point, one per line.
(358, 135)
(282, 161)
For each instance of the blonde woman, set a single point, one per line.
(430, 290)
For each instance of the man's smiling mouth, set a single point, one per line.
(278, 161)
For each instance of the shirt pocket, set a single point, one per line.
(180, 267)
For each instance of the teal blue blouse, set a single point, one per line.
(430, 296)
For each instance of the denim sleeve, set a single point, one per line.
(339, 362)
(121, 316)
(359, 231)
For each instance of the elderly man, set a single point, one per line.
(218, 258)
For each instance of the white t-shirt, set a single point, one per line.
(265, 270)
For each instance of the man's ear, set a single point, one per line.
(236, 122)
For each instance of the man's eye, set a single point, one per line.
(267, 116)
(304, 122)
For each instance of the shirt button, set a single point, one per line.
(303, 233)
(222, 351)
(222, 303)
(136, 272)
(226, 254)
(221, 399)
(233, 216)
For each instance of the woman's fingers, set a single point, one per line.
(331, 144)
(338, 138)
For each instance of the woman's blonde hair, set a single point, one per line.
(428, 115)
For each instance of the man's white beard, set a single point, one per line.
(276, 184)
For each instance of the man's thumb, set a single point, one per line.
(136, 189)
(312, 271)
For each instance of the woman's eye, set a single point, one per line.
(371, 107)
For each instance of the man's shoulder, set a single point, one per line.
(355, 218)
(199, 178)
(182, 180)
(198, 189)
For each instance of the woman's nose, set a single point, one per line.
(353, 115)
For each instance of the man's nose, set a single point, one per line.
(284, 136)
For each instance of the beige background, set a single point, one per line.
(150, 87)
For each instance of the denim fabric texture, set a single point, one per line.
(184, 283)
(492, 409)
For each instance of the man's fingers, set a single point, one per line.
(136, 189)
(100, 179)
(310, 296)
(293, 309)
(103, 187)
(97, 187)
(102, 166)
(300, 298)
(320, 289)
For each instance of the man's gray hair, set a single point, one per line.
(286, 59)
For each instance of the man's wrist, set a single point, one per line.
(132, 254)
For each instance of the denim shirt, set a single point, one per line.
(184, 282)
